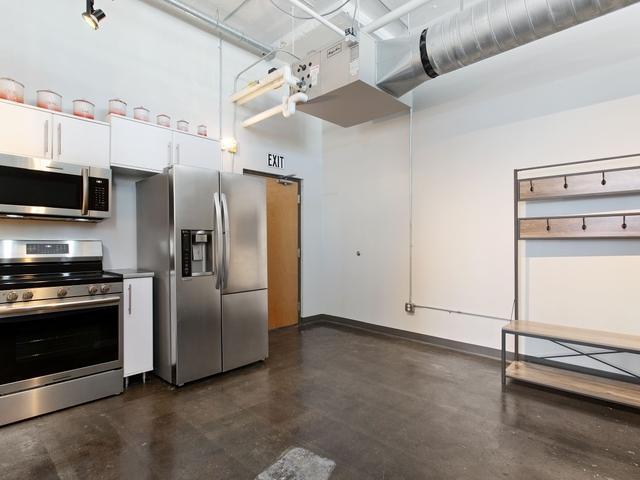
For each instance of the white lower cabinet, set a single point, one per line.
(138, 325)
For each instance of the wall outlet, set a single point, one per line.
(410, 307)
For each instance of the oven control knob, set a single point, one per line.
(62, 292)
(28, 295)
(93, 289)
(12, 296)
(105, 288)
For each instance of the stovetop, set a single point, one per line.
(54, 279)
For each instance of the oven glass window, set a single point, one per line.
(19, 186)
(35, 345)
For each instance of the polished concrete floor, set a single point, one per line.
(380, 407)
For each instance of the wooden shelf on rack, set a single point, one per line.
(573, 382)
(620, 341)
(617, 182)
(617, 225)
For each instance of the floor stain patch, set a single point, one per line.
(299, 464)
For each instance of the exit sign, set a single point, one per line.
(275, 161)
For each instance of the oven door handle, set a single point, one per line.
(85, 191)
(46, 306)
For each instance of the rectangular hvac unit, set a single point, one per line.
(340, 81)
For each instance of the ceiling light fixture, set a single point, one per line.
(93, 16)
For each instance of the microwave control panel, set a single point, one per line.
(99, 194)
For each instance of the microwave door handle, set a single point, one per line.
(59, 139)
(85, 191)
(218, 245)
(227, 239)
(46, 137)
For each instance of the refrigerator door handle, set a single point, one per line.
(218, 245)
(227, 240)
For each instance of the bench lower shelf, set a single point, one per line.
(596, 387)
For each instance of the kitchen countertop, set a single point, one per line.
(132, 273)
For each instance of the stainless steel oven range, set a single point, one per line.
(60, 327)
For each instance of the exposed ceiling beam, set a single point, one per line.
(240, 37)
(386, 7)
(235, 10)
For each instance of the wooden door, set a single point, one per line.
(282, 248)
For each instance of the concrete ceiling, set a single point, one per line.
(264, 21)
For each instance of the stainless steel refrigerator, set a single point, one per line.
(203, 233)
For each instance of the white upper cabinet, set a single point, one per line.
(25, 131)
(80, 141)
(196, 151)
(140, 145)
(144, 146)
(34, 132)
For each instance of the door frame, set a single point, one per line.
(298, 180)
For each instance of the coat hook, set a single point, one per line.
(584, 224)
(548, 226)
(531, 185)
(624, 221)
(566, 185)
(604, 180)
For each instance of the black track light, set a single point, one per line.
(93, 16)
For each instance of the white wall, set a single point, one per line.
(148, 57)
(568, 97)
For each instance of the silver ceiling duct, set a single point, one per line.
(476, 33)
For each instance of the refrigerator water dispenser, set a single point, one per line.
(197, 253)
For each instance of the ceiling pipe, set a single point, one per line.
(393, 15)
(478, 32)
(254, 44)
(317, 16)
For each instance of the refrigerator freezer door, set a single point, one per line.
(244, 201)
(244, 328)
(196, 313)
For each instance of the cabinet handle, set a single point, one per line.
(177, 153)
(46, 137)
(59, 139)
(129, 299)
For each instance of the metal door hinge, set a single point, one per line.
(299, 253)
(299, 200)
(299, 307)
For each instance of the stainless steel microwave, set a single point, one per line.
(41, 188)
